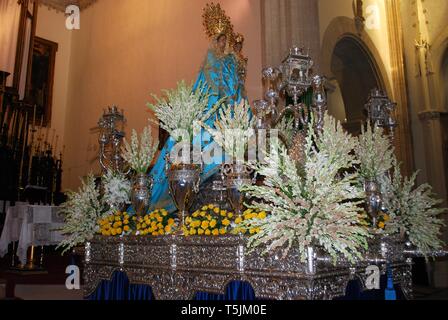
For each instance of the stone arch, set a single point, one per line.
(344, 27)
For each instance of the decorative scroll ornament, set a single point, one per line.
(215, 21)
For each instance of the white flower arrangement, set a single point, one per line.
(286, 128)
(117, 190)
(374, 152)
(313, 203)
(82, 211)
(139, 155)
(181, 108)
(413, 210)
(234, 129)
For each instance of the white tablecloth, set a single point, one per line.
(30, 225)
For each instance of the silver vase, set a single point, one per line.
(373, 200)
(237, 175)
(184, 182)
(141, 193)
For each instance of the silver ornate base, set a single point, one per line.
(177, 267)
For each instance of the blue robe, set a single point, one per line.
(220, 76)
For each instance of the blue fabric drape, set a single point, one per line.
(236, 290)
(219, 74)
(120, 289)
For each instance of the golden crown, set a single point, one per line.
(238, 38)
(215, 21)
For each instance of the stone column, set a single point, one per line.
(286, 23)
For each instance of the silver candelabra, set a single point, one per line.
(292, 78)
(111, 138)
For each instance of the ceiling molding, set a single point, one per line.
(61, 5)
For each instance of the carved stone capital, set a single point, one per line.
(431, 115)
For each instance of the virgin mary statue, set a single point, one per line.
(221, 77)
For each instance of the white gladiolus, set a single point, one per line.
(82, 212)
(116, 189)
(413, 210)
(374, 152)
(234, 128)
(314, 203)
(139, 155)
(182, 107)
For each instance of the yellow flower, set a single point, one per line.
(386, 217)
(126, 228)
(247, 211)
(164, 213)
(155, 233)
(111, 218)
(134, 218)
(215, 232)
(171, 221)
(209, 217)
(195, 214)
(222, 231)
(119, 231)
(162, 232)
(117, 219)
(168, 229)
(207, 232)
(203, 213)
(139, 226)
(159, 219)
(212, 223)
(200, 231)
(107, 233)
(196, 224)
(252, 230)
(226, 222)
(117, 213)
(257, 230)
(230, 215)
(262, 215)
(211, 206)
(238, 220)
(192, 231)
(153, 224)
(216, 210)
(223, 213)
(204, 224)
(381, 225)
(144, 225)
(160, 226)
(204, 208)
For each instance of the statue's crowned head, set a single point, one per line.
(216, 23)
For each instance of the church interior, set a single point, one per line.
(79, 77)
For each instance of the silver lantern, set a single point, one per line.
(111, 138)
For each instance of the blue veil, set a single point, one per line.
(219, 75)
